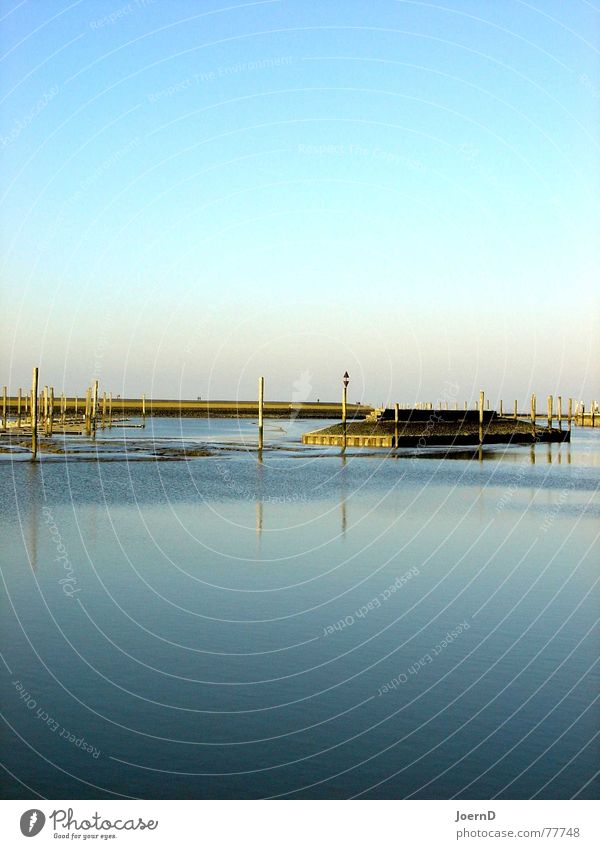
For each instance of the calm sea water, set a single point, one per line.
(310, 625)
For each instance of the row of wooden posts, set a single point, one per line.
(37, 410)
(483, 405)
(574, 413)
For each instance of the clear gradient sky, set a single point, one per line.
(195, 193)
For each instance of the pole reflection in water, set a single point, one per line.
(33, 516)
(260, 471)
(343, 493)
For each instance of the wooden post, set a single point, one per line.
(34, 414)
(465, 405)
(103, 410)
(582, 414)
(63, 407)
(516, 410)
(487, 404)
(26, 405)
(550, 416)
(4, 407)
(45, 409)
(19, 401)
(95, 407)
(396, 419)
(559, 411)
(51, 412)
(88, 411)
(533, 414)
(75, 407)
(481, 406)
(143, 410)
(569, 414)
(501, 410)
(261, 400)
(592, 411)
(110, 410)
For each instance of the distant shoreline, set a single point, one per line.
(212, 409)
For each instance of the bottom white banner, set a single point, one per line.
(301, 823)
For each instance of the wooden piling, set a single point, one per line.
(569, 414)
(19, 403)
(533, 400)
(34, 414)
(593, 412)
(516, 413)
(45, 409)
(481, 407)
(550, 411)
(63, 407)
(4, 407)
(261, 400)
(582, 418)
(51, 412)
(559, 411)
(143, 411)
(88, 411)
(75, 407)
(94, 407)
(501, 411)
(396, 419)
(103, 410)
(110, 410)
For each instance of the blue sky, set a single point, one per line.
(195, 193)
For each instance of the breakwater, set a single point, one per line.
(422, 428)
